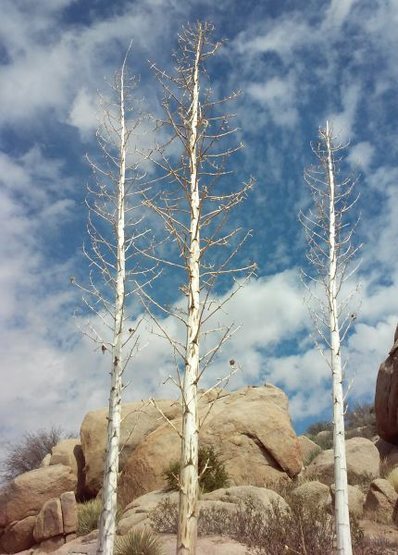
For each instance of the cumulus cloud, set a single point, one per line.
(84, 113)
(361, 154)
(277, 96)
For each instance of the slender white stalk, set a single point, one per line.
(189, 485)
(331, 255)
(342, 518)
(194, 209)
(107, 526)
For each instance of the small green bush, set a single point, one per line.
(139, 542)
(212, 473)
(88, 514)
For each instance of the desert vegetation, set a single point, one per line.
(211, 470)
(139, 542)
(29, 452)
(360, 421)
(301, 529)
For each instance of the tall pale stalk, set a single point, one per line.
(189, 483)
(342, 518)
(107, 526)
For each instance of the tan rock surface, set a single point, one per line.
(138, 420)
(382, 501)
(69, 512)
(309, 449)
(251, 430)
(237, 494)
(28, 492)
(386, 398)
(363, 462)
(18, 536)
(69, 452)
(356, 500)
(49, 521)
(314, 493)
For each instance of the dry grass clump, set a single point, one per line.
(139, 542)
(88, 514)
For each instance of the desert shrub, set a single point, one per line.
(317, 427)
(29, 452)
(360, 416)
(164, 517)
(324, 441)
(212, 473)
(376, 546)
(301, 529)
(88, 514)
(139, 542)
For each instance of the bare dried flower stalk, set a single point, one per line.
(331, 254)
(194, 204)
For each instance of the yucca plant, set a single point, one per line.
(139, 542)
(87, 516)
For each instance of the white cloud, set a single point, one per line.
(282, 37)
(337, 13)
(361, 154)
(343, 122)
(84, 113)
(278, 97)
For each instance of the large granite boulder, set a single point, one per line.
(309, 449)
(18, 536)
(55, 524)
(27, 493)
(138, 420)
(363, 462)
(386, 398)
(382, 501)
(249, 428)
(313, 493)
(70, 453)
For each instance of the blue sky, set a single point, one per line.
(297, 63)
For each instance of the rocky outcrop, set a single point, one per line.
(18, 536)
(70, 453)
(356, 500)
(249, 428)
(49, 522)
(138, 420)
(386, 398)
(309, 449)
(315, 494)
(31, 516)
(363, 462)
(136, 514)
(27, 493)
(382, 501)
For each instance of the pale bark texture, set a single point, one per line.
(194, 207)
(331, 253)
(189, 484)
(107, 524)
(117, 237)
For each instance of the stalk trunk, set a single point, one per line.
(342, 519)
(189, 488)
(107, 526)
